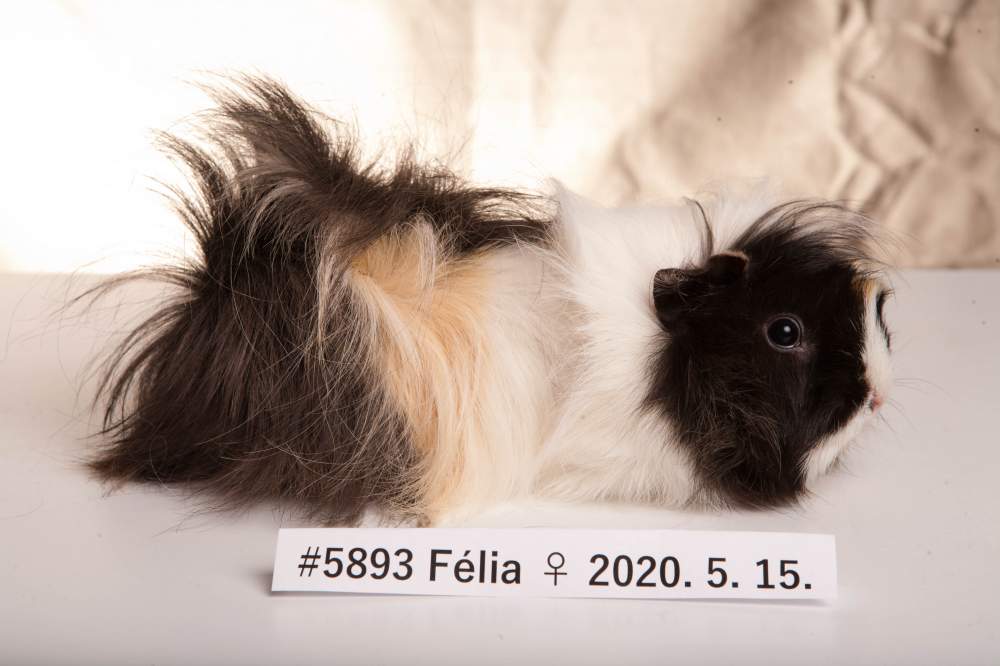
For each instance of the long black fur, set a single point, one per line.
(246, 384)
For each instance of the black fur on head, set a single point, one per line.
(746, 409)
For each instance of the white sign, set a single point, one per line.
(537, 562)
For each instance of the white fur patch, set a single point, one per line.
(878, 373)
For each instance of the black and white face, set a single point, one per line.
(775, 355)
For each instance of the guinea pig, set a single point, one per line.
(353, 336)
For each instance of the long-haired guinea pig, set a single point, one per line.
(353, 336)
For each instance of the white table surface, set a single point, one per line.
(140, 577)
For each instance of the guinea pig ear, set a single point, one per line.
(671, 293)
(725, 268)
(674, 289)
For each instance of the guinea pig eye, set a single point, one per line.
(784, 332)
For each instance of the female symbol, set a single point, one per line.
(555, 556)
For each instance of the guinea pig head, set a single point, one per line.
(775, 353)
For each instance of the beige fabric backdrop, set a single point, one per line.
(893, 104)
(890, 103)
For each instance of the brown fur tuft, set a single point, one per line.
(262, 378)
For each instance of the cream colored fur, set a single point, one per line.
(461, 350)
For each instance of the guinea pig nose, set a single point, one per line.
(875, 402)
